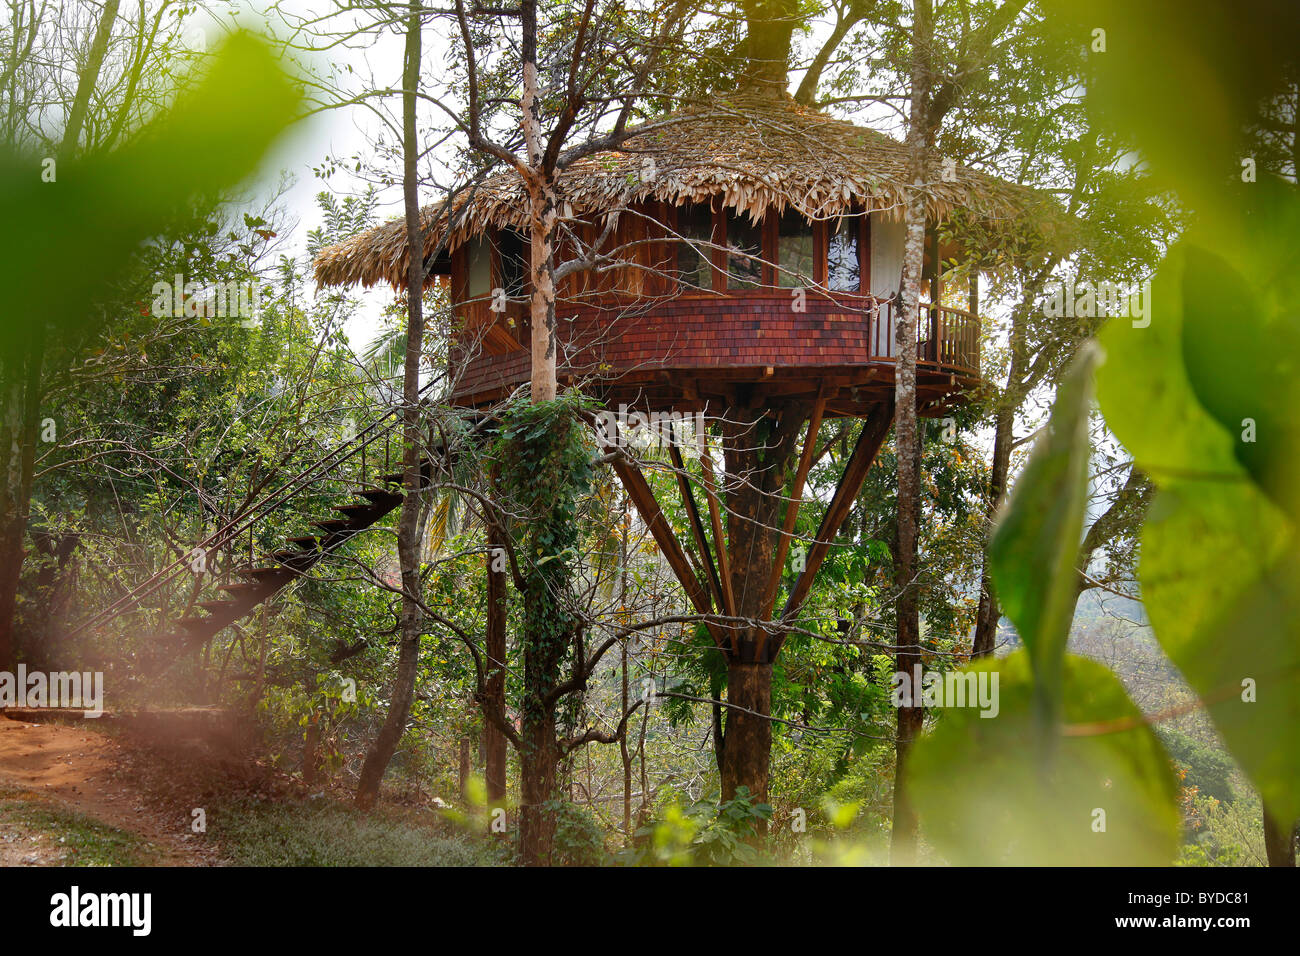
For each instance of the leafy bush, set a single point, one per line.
(579, 837)
(1224, 834)
(704, 834)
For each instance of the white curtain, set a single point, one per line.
(887, 239)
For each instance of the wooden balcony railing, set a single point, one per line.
(945, 337)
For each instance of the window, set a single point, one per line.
(514, 253)
(843, 260)
(794, 250)
(745, 252)
(478, 268)
(694, 223)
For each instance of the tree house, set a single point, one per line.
(744, 261)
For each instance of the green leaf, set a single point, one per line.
(1034, 548)
(99, 209)
(1227, 610)
(1147, 399)
(985, 798)
(1243, 360)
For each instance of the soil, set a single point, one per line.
(147, 787)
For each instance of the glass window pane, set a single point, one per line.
(794, 251)
(745, 270)
(478, 268)
(514, 257)
(843, 263)
(694, 222)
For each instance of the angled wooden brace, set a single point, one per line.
(643, 499)
(873, 434)
(697, 525)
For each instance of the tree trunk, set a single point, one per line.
(748, 750)
(494, 741)
(21, 383)
(543, 215)
(462, 769)
(1279, 841)
(538, 759)
(88, 79)
(311, 764)
(408, 526)
(906, 431)
(989, 613)
(758, 456)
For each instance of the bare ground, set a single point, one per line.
(145, 788)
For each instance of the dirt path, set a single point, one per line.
(77, 768)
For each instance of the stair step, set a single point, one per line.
(330, 525)
(213, 606)
(287, 555)
(258, 573)
(356, 510)
(194, 623)
(241, 587)
(379, 498)
(306, 542)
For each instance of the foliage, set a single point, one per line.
(703, 833)
(545, 468)
(1224, 833)
(120, 200)
(579, 837)
(1067, 772)
(1206, 768)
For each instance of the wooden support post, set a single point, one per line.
(642, 497)
(697, 526)
(792, 509)
(719, 537)
(873, 434)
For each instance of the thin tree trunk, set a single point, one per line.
(1013, 393)
(907, 433)
(539, 750)
(408, 527)
(463, 769)
(1279, 841)
(494, 741)
(625, 697)
(543, 217)
(86, 83)
(18, 435)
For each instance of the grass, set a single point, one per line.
(81, 840)
(323, 833)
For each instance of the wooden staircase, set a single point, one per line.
(235, 581)
(262, 580)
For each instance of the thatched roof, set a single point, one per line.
(754, 151)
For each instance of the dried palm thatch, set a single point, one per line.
(754, 151)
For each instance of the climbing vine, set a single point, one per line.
(545, 469)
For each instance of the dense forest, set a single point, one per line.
(811, 433)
